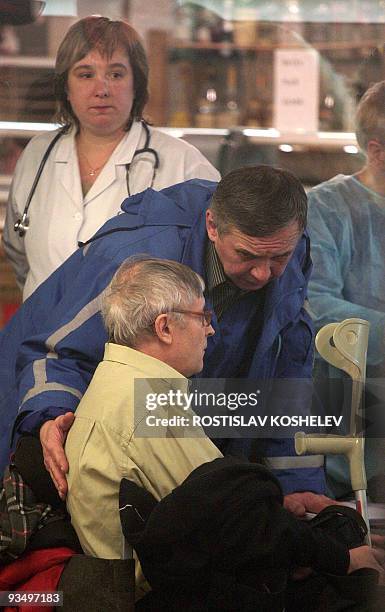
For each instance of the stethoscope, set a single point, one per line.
(21, 226)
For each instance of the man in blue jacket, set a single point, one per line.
(245, 237)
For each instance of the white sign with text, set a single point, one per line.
(296, 90)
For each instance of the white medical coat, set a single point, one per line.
(60, 216)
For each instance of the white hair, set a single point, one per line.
(142, 288)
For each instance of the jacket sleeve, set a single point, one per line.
(13, 244)
(292, 396)
(300, 545)
(56, 362)
(296, 350)
(55, 366)
(331, 244)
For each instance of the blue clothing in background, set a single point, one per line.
(346, 223)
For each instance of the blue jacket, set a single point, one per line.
(56, 340)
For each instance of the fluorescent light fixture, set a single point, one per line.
(180, 132)
(25, 126)
(266, 133)
(337, 135)
(176, 132)
(351, 149)
(19, 126)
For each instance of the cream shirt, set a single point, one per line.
(102, 447)
(59, 215)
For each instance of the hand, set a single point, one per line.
(300, 503)
(52, 437)
(361, 557)
(364, 556)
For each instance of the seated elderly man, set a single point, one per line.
(154, 313)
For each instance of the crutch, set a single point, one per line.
(344, 345)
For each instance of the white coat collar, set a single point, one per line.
(66, 154)
(123, 154)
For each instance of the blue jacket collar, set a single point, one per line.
(180, 205)
(176, 205)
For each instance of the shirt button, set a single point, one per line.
(78, 216)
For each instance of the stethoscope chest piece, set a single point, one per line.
(22, 225)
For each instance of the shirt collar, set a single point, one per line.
(214, 268)
(122, 154)
(215, 272)
(141, 362)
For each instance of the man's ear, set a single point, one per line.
(211, 226)
(162, 328)
(376, 152)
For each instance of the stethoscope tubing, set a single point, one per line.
(145, 149)
(22, 224)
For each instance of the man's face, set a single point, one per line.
(250, 263)
(190, 339)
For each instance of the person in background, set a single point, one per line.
(245, 237)
(346, 223)
(105, 150)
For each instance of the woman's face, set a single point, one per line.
(101, 92)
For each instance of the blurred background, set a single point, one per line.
(245, 81)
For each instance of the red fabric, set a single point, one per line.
(9, 310)
(39, 570)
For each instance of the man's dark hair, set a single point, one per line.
(258, 201)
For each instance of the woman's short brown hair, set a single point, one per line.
(105, 36)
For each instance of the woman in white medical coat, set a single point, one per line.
(105, 151)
